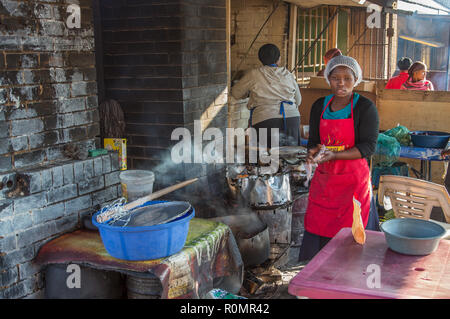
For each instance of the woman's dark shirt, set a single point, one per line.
(366, 122)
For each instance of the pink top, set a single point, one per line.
(423, 85)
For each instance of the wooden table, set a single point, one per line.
(344, 269)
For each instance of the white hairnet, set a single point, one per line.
(343, 60)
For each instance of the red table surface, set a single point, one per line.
(340, 270)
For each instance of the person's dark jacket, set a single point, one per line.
(366, 121)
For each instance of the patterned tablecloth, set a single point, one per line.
(210, 252)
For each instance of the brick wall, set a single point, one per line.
(47, 84)
(142, 71)
(48, 99)
(166, 65)
(205, 90)
(247, 17)
(59, 197)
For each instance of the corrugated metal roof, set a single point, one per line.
(423, 6)
(445, 3)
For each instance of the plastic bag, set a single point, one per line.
(359, 235)
(401, 134)
(387, 151)
(398, 168)
(217, 293)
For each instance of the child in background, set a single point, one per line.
(417, 78)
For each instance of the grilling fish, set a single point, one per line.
(311, 166)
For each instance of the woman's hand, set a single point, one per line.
(326, 156)
(320, 154)
(312, 153)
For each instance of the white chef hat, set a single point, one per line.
(343, 60)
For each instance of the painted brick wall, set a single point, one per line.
(48, 99)
(142, 71)
(247, 17)
(205, 91)
(47, 82)
(59, 197)
(166, 65)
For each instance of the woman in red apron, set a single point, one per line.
(347, 124)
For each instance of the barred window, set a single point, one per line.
(310, 23)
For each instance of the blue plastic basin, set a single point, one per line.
(412, 236)
(145, 242)
(430, 139)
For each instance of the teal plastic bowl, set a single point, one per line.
(410, 236)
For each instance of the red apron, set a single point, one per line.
(334, 183)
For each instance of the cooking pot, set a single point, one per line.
(267, 191)
(256, 249)
(259, 190)
(252, 237)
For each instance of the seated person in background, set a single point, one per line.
(327, 57)
(397, 81)
(416, 80)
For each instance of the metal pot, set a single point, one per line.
(255, 250)
(267, 191)
(252, 237)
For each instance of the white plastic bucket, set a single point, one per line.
(136, 183)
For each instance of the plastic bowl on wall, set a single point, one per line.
(430, 139)
(145, 242)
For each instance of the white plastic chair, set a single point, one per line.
(415, 198)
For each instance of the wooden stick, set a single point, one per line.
(108, 214)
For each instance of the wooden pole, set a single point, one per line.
(292, 36)
(332, 30)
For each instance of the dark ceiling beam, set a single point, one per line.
(383, 3)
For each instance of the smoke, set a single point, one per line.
(210, 195)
